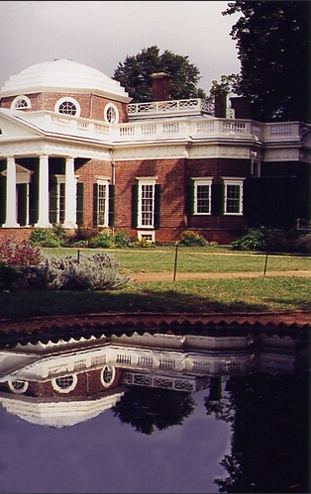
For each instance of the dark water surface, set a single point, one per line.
(156, 413)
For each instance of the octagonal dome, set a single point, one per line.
(63, 75)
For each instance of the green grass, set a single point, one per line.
(196, 260)
(263, 293)
(199, 296)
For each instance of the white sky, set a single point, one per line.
(102, 33)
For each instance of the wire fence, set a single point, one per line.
(179, 259)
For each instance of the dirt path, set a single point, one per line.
(166, 276)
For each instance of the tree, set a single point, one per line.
(146, 408)
(134, 74)
(273, 40)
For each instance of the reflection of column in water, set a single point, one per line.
(215, 388)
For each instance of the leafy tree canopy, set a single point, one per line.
(273, 41)
(134, 74)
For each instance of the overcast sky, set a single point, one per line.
(102, 33)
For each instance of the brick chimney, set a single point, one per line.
(160, 86)
(221, 104)
(241, 107)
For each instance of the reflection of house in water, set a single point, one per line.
(67, 382)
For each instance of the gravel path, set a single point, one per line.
(166, 276)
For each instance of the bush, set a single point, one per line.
(192, 239)
(303, 243)
(253, 240)
(90, 272)
(19, 253)
(103, 240)
(10, 277)
(44, 237)
(274, 240)
(122, 241)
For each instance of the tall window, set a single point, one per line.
(61, 203)
(102, 203)
(233, 196)
(146, 202)
(202, 195)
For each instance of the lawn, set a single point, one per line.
(261, 293)
(196, 260)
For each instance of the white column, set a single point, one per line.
(11, 197)
(43, 218)
(70, 195)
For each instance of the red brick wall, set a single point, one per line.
(88, 384)
(218, 168)
(92, 106)
(16, 234)
(170, 175)
(88, 174)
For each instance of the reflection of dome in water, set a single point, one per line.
(60, 413)
(63, 75)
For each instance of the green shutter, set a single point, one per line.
(157, 205)
(22, 204)
(53, 200)
(218, 197)
(95, 197)
(111, 212)
(34, 196)
(80, 187)
(2, 199)
(189, 205)
(134, 205)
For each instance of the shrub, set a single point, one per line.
(192, 239)
(253, 240)
(122, 241)
(19, 253)
(90, 272)
(45, 237)
(303, 243)
(273, 240)
(10, 277)
(103, 240)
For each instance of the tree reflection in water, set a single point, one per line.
(270, 422)
(147, 408)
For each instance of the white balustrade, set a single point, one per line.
(282, 131)
(177, 126)
(186, 106)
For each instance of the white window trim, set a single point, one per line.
(19, 98)
(18, 391)
(65, 390)
(61, 179)
(113, 372)
(104, 182)
(107, 108)
(202, 181)
(234, 181)
(71, 100)
(141, 235)
(145, 181)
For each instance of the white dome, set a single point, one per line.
(63, 75)
(59, 413)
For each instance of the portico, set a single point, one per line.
(30, 190)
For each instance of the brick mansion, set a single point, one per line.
(75, 152)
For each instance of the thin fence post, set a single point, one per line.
(266, 262)
(78, 256)
(175, 264)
